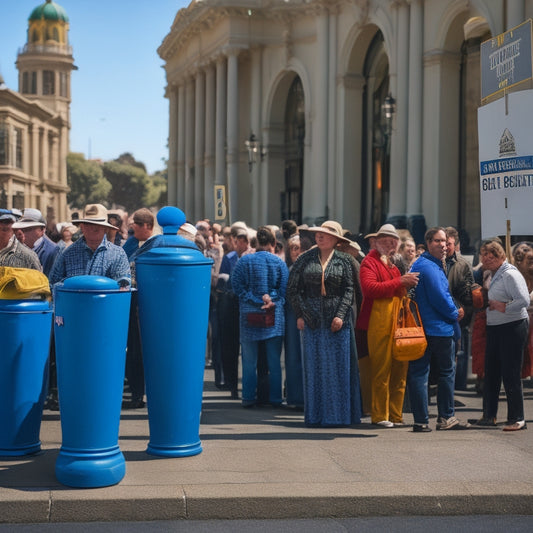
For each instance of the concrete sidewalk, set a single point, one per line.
(263, 463)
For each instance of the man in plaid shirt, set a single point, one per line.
(93, 254)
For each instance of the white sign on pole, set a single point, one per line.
(506, 165)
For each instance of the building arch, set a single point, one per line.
(282, 191)
(364, 166)
(452, 79)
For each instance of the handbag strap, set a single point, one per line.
(413, 310)
(408, 314)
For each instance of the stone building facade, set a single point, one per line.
(305, 83)
(35, 120)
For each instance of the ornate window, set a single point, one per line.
(63, 87)
(49, 82)
(291, 200)
(18, 148)
(4, 144)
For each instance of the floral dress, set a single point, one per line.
(330, 375)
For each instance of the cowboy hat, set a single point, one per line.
(331, 227)
(94, 214)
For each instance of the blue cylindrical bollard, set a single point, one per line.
(91, 328)
(173, 283)
(25, 328)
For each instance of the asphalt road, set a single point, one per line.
(400, 524)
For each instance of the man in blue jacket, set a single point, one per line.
(440, 318)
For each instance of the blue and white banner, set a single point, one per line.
(506, 60)
(506, 165)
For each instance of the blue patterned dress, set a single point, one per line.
(331, 378)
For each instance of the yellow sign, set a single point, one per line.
(220, 202)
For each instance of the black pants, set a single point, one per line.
(134, 354)
(503, 360)
(228, 331)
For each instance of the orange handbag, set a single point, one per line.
(409, 342)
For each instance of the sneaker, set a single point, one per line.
(421, 428)
(516, 426)
(385, 424)
(450, 423)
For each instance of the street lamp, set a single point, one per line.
(388, 108)
(254, 149)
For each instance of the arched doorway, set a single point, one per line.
(291, 197)
(376, 140)
(469, 207)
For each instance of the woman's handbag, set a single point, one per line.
(261, 319)
(409, 340)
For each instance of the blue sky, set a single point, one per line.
(118, 102)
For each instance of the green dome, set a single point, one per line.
(49, 11)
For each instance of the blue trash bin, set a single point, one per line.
(91, 328)
(173, 283)
(25, 328)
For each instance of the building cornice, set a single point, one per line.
(25, 105)
(203, 15)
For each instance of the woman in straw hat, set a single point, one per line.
(321, 292)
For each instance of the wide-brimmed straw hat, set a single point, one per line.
(331, 227)
(94, 214)
(387, 230)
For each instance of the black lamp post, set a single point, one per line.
(254, 149)
(388, 108)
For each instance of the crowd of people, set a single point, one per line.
(325, 302)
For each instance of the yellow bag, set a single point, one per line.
(409, 341)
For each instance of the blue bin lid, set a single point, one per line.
(25, 306)
(171, 248)
(89, 284)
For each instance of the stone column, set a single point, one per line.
(189, 147)
(334, 190)
(172, 189)
(315, 191)
(199, 146)
(515, 13)
(45, 155)
(221, 112)
(414, 143)
(33, 167)
(350, 138)
(441, 131)
(259, 187)
(209, 162)
(398, 164)
(64, 134)
(180, 149)
(233, 133)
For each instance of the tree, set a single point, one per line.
(86, 181)
(158, 189)
(132, 187)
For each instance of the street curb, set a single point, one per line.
(142, 503)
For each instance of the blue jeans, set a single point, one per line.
(443, 350)
(249, 369)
